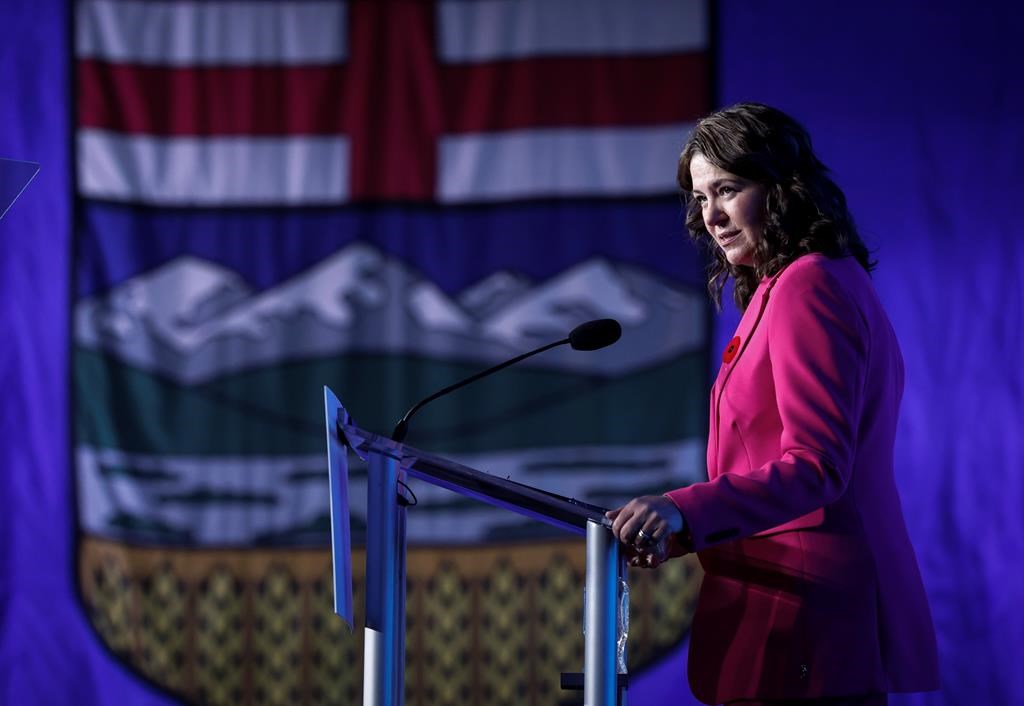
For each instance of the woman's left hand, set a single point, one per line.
(645, 521)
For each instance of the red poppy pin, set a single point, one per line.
(731, 350)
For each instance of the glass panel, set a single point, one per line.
(14, 177)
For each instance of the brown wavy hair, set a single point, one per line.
(805, 211)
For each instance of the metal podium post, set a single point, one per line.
(600, 670)
(384, 646)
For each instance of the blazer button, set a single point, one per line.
(803, 672)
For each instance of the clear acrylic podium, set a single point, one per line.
(390, 464)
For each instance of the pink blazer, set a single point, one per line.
(811, 587)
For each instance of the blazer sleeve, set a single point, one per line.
(818, 345)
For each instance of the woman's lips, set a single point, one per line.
(727, 238)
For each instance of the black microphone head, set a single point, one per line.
(595, 334)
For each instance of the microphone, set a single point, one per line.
(589, 336)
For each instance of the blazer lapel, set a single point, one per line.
(744, 332)
(748, 324)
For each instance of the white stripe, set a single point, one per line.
(213, 171)
(560, 162)
(501, 29)
(211, 33)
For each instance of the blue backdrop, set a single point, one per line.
(916, 106)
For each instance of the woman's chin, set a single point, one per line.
(740, 259)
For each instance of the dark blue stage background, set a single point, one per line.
(916, 106)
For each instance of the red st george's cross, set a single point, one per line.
(393, 98)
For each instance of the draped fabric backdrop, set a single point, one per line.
(222, 224)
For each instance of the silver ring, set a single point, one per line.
(642, 538)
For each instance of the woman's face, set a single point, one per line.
(732, 207)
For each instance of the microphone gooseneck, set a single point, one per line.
(589, 336)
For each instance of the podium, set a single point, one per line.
(389, 465)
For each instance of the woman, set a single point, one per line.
(811, 592)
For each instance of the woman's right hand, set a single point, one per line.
(647, 557)
(644, 527)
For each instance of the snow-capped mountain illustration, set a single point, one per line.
(431, 307)
(492, 293)
(591, 291)
(171, 299)
(192, 320)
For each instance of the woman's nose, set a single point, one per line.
(713, 215)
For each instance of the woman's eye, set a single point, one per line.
(700, 198)
(726, 190)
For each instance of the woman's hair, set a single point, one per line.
(805, 211)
